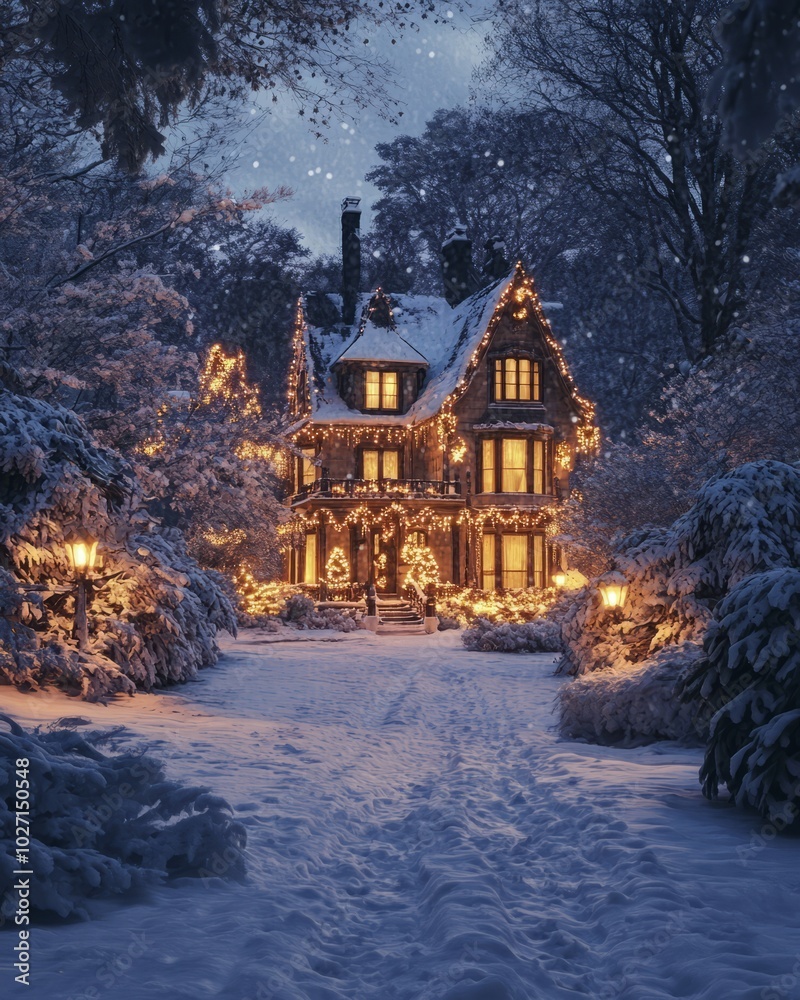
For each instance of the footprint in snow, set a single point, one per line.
(287, 748)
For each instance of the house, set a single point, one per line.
(450, 422)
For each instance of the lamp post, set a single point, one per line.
(82, 552)
(613, 589)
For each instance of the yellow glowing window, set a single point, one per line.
(538, 560)
(373, 394)
(389, 390)
(515, 477)
(391, 465)
(538, 466)
(515, 561)
(488, 466)
(310, 575)
(516, 380)
(381, 391)
(308, 471)
(488, 557)
(370, 464)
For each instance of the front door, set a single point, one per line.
(384, 563)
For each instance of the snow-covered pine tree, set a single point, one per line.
(750, 682)
(155, 613)
(102, 825)
(745, 522)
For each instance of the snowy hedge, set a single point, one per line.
(743, 523)
(101, 825)
(154, 612)
(509, 637)
(631, 704)
(750, 680)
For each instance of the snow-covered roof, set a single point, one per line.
(380, 343)
(431, 331)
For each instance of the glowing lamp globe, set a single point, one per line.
(613, 589)
(82, 552)
(559, 578)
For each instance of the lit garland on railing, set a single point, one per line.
(386, 519)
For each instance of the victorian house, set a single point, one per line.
(451, 422)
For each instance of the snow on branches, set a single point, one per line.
(155, 613)
(743, 523)
(752, 670)
(102, 825)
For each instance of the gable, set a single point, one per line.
(454, 342)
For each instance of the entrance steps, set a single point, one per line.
(397, 615)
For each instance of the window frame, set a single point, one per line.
(536, 559)
(499, 381)
(537, 457)
(306, 472)
(380, 452)
(382, 378)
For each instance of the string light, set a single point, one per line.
(224, 379)
(223, 536)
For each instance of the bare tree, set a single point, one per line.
(628, 80)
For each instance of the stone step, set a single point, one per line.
(400, 616)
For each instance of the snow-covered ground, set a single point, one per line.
(418, 831)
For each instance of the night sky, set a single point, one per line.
(433, 70)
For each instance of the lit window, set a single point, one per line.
(538, 466)
(310, 575)
(515, 477)
(378, 464)
(488, 554)
(307, 471)
(391, 465)
(381, 391)
(488, 466)
(509, 464)
(373, 396)
(416, 538)
(515, 562)
(516, 380)
(370, 460)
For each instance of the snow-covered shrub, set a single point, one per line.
(467, 604)
(101, 825)
(750, 681)
(300, 612)
(153, 612)
(446, 623)
(513, 637)
(633, 703)
(298, 609)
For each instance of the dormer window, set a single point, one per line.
(381, 391)
(516, 380)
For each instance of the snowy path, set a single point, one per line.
(417, 831)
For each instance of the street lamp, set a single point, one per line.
(82, 552)
(613, 589)
(559, 578)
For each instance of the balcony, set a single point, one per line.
(393, 489)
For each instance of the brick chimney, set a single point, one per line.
(457, 271)
(495, 263)
(351, 258)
